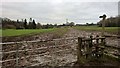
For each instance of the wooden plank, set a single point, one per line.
(79, 53)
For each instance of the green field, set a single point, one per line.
(0, 32)
(57, 31)
(21, 32)
(96, 28)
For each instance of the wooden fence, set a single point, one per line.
(22, 54)
(94, 48)
(15, 53)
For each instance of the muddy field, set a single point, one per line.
(71, 33)
(57, 52)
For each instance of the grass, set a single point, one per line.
(0, 32)
(21, 32)
(96, 28)
(58, 31)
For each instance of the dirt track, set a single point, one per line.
(70, 57)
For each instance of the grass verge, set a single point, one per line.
(96, 28)
(22, 32)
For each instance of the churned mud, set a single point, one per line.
(56, 53)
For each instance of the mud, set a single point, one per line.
(58, 56)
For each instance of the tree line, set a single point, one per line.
(110, 22)
(10, 24)
(24, 24)
(31, 24)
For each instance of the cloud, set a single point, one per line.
(59, 1)
(58, 12)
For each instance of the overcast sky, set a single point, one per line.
(46, 11)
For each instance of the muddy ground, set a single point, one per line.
(66, 57)
(71, 33)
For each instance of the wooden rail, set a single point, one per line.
(89, 48)
(68, 38)
(39, 51)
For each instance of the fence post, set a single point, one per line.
(103, 24)
(91, 41)
(1, 55)
(103, 41)
(79, 49)
(17, 55)
(102, 44)
(97, 49)
(119, 54)
(89, 47)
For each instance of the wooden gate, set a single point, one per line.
(90, 48)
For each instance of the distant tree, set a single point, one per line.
(111, 22)
(30, 24)
(51, 26)
(17, 24)
(21, 24)
(17, 20)
(92, 23)
(8, 24)
(71, 24)
(55, 25)
(47, 26)
(38, 26)
(25, 24)
(33, 24)
(87, 24)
